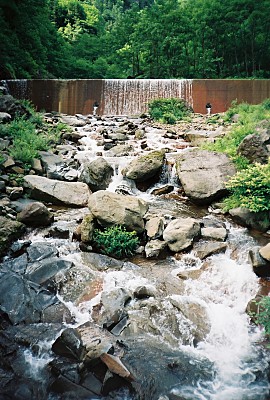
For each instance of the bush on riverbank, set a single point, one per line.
(29, 135)
(168, 111)
(250, 188)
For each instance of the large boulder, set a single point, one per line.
(203, 174)
(181, 233)
(9, 231)
(74, 194)
(97, 174)
(145, 167)
(116, 209)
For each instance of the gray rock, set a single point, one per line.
(21, 300)
(254, 148)
(115, 209)
(155, 227)
(203, 174)
(180, 233)
(153, 248)
(212, 233)
(74, 194)
(97, 174)
(38, 251)
(204, 250)
(43, 272)
(87, 228)
(194, 312)
(265, 252)
(145, 167)
(4, 117)
(9, 231)
(35, 214)
(260, 265)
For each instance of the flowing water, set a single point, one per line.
(229, 363)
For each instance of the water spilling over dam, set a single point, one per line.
(131, 96)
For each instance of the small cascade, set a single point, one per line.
(133, 95)
(225, 289)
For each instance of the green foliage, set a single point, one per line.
(116, 241)
(263, 315)
(168, 111)
(249, 116)
(250, 188)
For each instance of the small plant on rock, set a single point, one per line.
(116, 241)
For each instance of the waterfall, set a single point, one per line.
(133, 95)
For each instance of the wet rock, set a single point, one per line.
(181, 233)
(73, 194)
(154, 248)
(259, 220)
(41, 250)
(35, 214)
(260, 265)
(113, 304)
(145, 167)
(194, 168)
(120, 150)
(194, 312)
(97, 174)
(143, 292)
(69, 344)
(9, 231)
(21, 300)
(44, 272)
(115, 209)
(204, 250)
(58, 231)
(101, 262)
(163, 190)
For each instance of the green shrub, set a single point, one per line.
(250, 188)
(168, 111)
(263, 315)
(116, 241)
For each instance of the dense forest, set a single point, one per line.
(134, 39)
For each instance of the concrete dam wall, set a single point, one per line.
(131, 96)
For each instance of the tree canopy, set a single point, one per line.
(134, 38)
